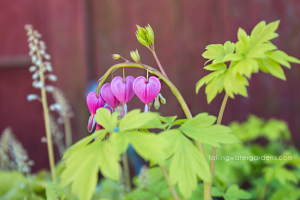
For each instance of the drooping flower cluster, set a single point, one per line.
(40, 59)
(121, 90)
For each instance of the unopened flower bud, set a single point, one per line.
(135, 56)
(162, 99)
(141, 35)
(115, 56)
(156, 103)
(150, 34)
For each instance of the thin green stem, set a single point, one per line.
(214, 150)
(123, 75)
(164, 171)
(47, 121)
(127, 172)
(147, 74)
(68, 131)
(158, 63)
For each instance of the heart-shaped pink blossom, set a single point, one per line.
(122, 91)
(108, 96)
(94, 102)
(146, 91)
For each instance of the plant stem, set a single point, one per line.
(158, 63)
(164, 171)
(47, 121)
(68, 131)
(214, 149)
(126, 171)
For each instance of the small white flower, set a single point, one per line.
(42, 51)
(49, 88)
(44, 140)
(35, 41)
(35, 75)
(47, 56)
(32, 68)
(30, 38)
(37, 84)
(33, 59)
(52, 77)
(55, 107)
(48, 68)
(38, 62)
(37, 34)
(32, 97)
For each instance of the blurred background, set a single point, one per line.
(81, 35)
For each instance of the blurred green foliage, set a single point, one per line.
(251, 177)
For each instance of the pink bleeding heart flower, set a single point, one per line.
(123, 91)
(146, 91)
(108, 96)
(94, 102)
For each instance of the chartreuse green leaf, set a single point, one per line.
(186, 163)
(135, 120)
(106, 119)
(216, 52)
(148, 145)
(83, 142)
(54, 192)
(235, 193)
(247, 56)
(83, 165)
(201, 128)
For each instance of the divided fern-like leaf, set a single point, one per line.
(187, 163)
(249, 55)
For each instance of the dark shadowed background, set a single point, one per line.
(81, 35)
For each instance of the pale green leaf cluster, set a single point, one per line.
(83, 165)
(255, 127)
(85, 158)
(248, 55)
